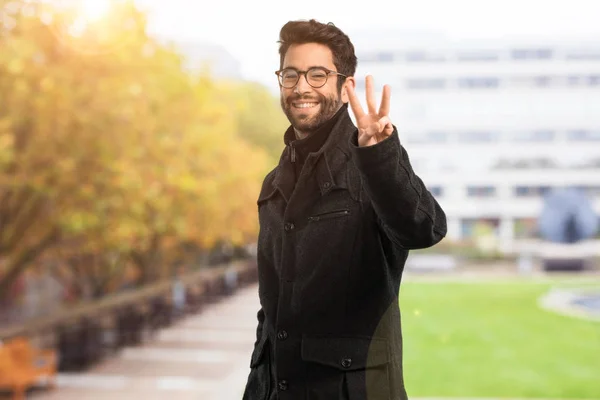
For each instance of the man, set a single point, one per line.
(337, 218)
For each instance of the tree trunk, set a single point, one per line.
(24, 260)
(146, 260)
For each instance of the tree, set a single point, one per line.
(110, 150)
(259, 118)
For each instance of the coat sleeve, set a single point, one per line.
(407, 212)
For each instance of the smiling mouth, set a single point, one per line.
(304, 105)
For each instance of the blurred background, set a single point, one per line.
(134, 137)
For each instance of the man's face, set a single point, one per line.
(307, 108)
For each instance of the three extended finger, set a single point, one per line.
(371, 105)
(354, 103)
(384, 108)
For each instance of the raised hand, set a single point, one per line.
(374, 126)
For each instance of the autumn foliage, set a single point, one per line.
(112, 151)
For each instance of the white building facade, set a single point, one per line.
(491, 126)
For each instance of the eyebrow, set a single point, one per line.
(311, 66)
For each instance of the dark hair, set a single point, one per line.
(312, 31)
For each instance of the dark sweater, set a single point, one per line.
(301, 148)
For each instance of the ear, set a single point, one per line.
(349, 81)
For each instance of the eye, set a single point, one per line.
(287, 75)
(317, 73)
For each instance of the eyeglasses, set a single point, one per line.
(315, 76)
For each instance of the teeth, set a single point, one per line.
(305, 105)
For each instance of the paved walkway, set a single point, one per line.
(582, 302)
(206, 356)
(203, 357)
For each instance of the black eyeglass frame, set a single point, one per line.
(305, 73)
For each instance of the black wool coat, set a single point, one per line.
(331, 252)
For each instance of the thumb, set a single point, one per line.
(383, 124)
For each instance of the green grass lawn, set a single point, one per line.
(492, 340)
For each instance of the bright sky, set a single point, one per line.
(249, 29)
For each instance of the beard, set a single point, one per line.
(306, 121)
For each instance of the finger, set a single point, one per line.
(383, 124)
(388, 130)
(371, 107)
(366, 132)
(363, 137)
(354, 103)
(388, 127)
(384, 109)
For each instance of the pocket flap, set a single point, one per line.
(345, 353)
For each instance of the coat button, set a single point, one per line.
(288, 227)
(282, 385)
(327, 185)
(282, 335)
(346, 362)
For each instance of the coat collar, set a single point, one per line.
(315, 140)
(326, 161)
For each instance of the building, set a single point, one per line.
(492, 125)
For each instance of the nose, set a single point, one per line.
(302, 86)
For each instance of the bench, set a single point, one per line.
(22, 366)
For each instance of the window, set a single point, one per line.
(535, 136)
(385, 57)
(422, 56)
(594, 80)
(593, 163)
(582, 135)
(542, 81)
(502, 164)
(534, 163)
(584, 54)
(374, 57)
(477, 56)
(416, 56)
(437, 136)
(575, 80)
(428, 137)
(481, 191)
(478, 136)
(520, 81)
(531, 191)
(479, 83)
(588, 190)
(532, 54)
(421, 83)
